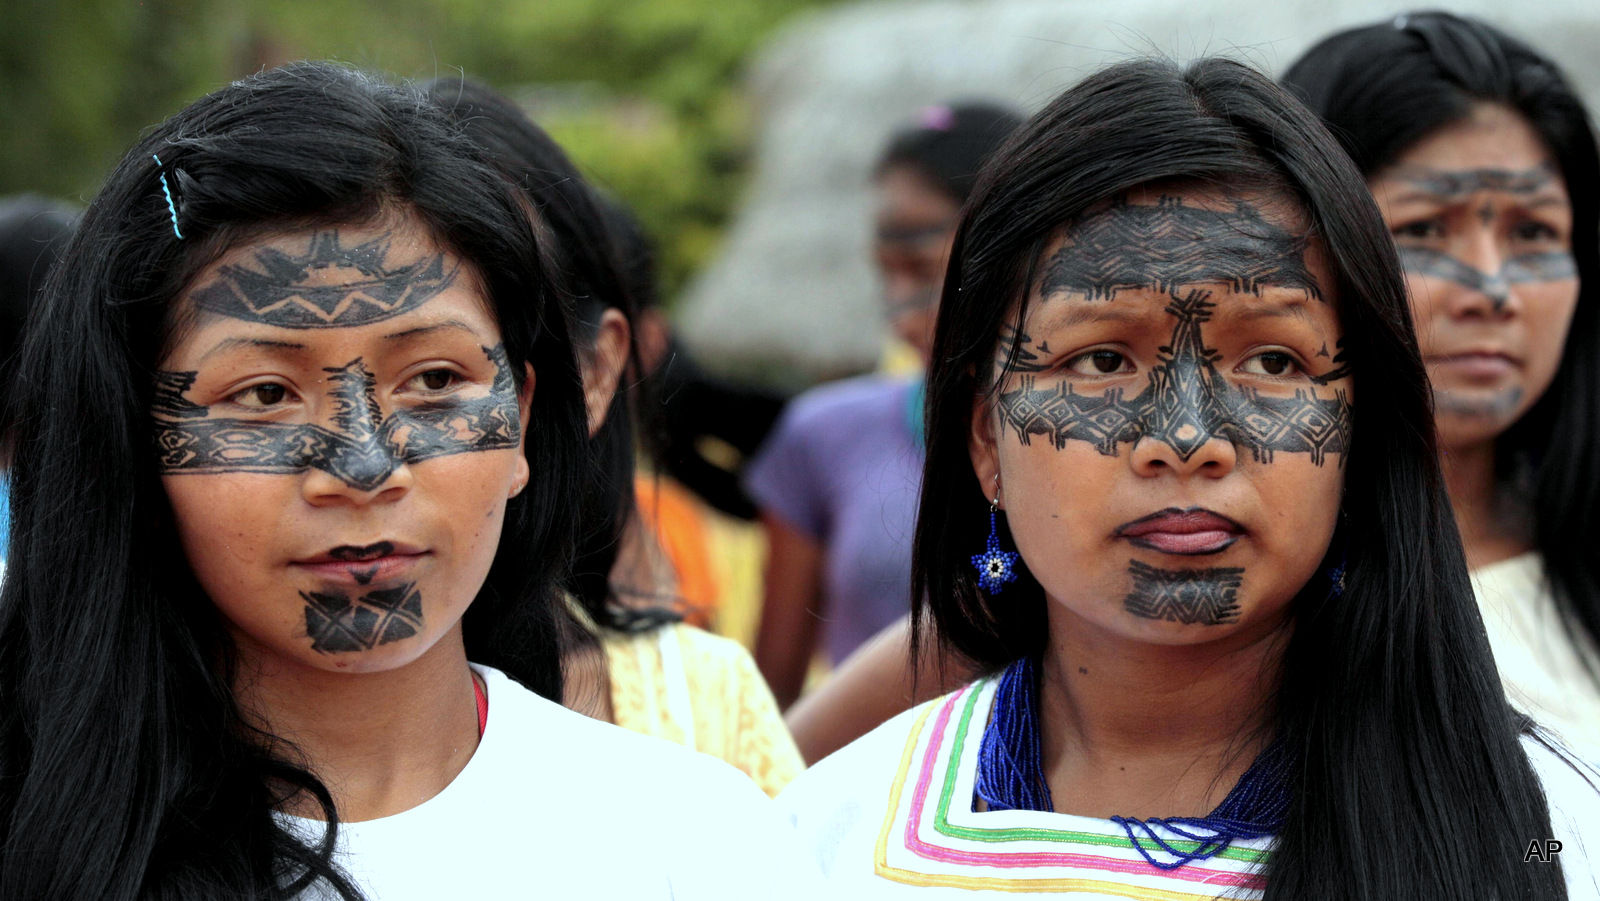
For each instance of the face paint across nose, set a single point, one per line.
(1525, 269)
(1186, 404)
(362, 449)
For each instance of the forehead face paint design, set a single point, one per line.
(1454, 184)
(1186, 403)
(1169, 244)
(1208, 597)
(288, 290)
(362, 449)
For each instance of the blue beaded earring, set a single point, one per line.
(995, 567)
(1336, 580)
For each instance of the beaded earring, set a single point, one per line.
(1336, 580)
(995, 566)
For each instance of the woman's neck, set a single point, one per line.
(381, 742)
(1488, 534)
(1143, 730)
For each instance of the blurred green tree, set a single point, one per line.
(643, 93)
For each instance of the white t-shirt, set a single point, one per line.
(890, 815)
(556, 805)
(1541, 665)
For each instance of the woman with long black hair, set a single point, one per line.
(299, 435)
(1231, 644)
(631, 660)
(1482, 159)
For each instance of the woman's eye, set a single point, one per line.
(1271, 363)
(1421, 229)
(435, 379)
(267, 394)
(1099, 362)
(1532, 230)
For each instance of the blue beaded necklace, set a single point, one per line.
(1011, 777)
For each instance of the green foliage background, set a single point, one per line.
(643, 93)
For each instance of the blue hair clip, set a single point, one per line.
(172, 208)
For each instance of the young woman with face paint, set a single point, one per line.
(1178, 508)
(303, 436)
(836, 481)
(627, 652)
(1482, 159)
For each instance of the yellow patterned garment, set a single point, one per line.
(703, 691)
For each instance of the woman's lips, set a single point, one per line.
(1193, 531)
(363, 564)
(1476, 365)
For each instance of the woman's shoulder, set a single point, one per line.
(865, 769)
(596, 757)
(562, 794)
(686, 685)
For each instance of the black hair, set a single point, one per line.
(1388, 700)
(590, 269)
(126, 767)
(1381, 89)
(948, 144)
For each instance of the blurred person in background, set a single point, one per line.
(1483, 162)
(33, 230)
(837, 479)
(1482, 159)
(633, 662)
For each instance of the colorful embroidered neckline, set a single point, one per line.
(945, 844)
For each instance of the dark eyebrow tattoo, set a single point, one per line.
(236, 343)
(1444, 184)
(454, 324)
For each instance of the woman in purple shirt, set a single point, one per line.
(837, 481)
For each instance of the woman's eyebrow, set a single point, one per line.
(235, 343)
(452, 324)
(1084, 313)
(1292, 308)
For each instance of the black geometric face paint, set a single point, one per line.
(1495, 407)
(1454, 184)
(362, 449)
(1532, 267)
(1169, 244)
(1186, 403)
(282, 291)
(337, 624)
(1207, 597)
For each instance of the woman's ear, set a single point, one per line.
(519, 477)
(603, 366)
(982, 443)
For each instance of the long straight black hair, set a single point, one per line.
(588, 266)
(1381, 89)
(1388, 699)
(126, 770)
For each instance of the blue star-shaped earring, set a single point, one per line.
(995, 567)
